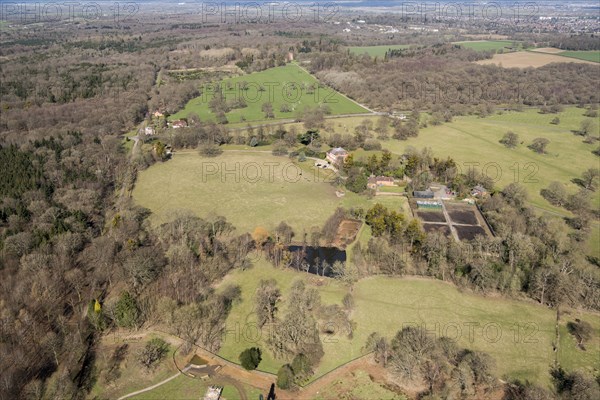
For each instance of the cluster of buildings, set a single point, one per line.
(178, 123)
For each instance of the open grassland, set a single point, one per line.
(489, 45)
(249, 188)
(518, 335)
(376, 51)
(526, 59)
(593, 56)
(570, 355)
(476, 140)
(287, 85)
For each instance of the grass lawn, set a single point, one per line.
(376, 51)
(570, 355)
(249, 188)
(476, 140)
(392, 189)
(582, 55)
(489, 45)
(288, 84)
(184, 388)
(518, 335)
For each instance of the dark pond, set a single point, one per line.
(318, 259)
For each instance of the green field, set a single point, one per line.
(282, 85)
(476, 140)
(489, 45)
(593, 56)
(249, 188)
(385, 304)
(376, 51)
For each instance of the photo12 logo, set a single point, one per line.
(254, 92)
(471, 331)
(267, 12)
(429, 11)
(254, 172)
(33, 12)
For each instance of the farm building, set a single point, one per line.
(337, 155)
(376, 181)
(423, 194)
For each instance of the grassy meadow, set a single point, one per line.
(518, 335)
(249, 188)
(593, 56)
(476, 140)
(288, 84)
(259, 190)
